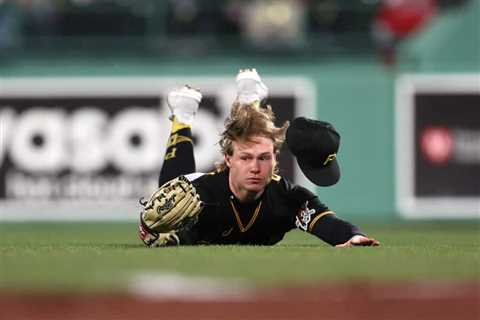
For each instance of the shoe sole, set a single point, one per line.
(197, 96)
(248, 75)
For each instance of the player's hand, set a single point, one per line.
(359, 240)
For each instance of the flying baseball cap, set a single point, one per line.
(315, 145)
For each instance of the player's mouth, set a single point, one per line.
(255, 181)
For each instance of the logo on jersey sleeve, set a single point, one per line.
(304, 216)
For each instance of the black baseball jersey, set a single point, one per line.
(282, 207)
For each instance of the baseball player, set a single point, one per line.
(244, 201)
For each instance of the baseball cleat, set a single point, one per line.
(183, 103)
(250, 87)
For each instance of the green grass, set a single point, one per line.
(103, 256)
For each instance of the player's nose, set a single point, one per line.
(255, 166)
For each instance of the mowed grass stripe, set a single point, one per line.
(105, 256)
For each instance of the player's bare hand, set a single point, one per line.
(359, 240)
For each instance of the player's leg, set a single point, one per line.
(179, 158)
(250, 88)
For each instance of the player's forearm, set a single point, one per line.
(334, 230)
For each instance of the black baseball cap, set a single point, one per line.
(315, 145)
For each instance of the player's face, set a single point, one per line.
(251, 166)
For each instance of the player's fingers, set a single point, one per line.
(366, 242)
(344, 245)
(358, 241)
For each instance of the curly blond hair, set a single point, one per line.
(246, 121)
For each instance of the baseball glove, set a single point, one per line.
(170, 207)
(153, 239)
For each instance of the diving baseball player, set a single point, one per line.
(244, 201)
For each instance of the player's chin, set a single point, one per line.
(256, 186)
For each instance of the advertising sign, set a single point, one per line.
(438, 146)
(89, 148)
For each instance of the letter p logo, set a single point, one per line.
(330, 157)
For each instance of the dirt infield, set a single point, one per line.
(439, 301)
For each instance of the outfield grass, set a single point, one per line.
(105, 256)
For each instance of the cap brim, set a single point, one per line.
(324, 176)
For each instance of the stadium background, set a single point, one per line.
(335, 45)
(400, 80)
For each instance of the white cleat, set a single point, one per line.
(183, 103)
(250, 87)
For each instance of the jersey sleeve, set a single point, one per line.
(316, 218)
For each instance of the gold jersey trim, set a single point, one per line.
(276, 177)
(252, 220)
(314, 221)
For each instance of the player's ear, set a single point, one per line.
(227, 160)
